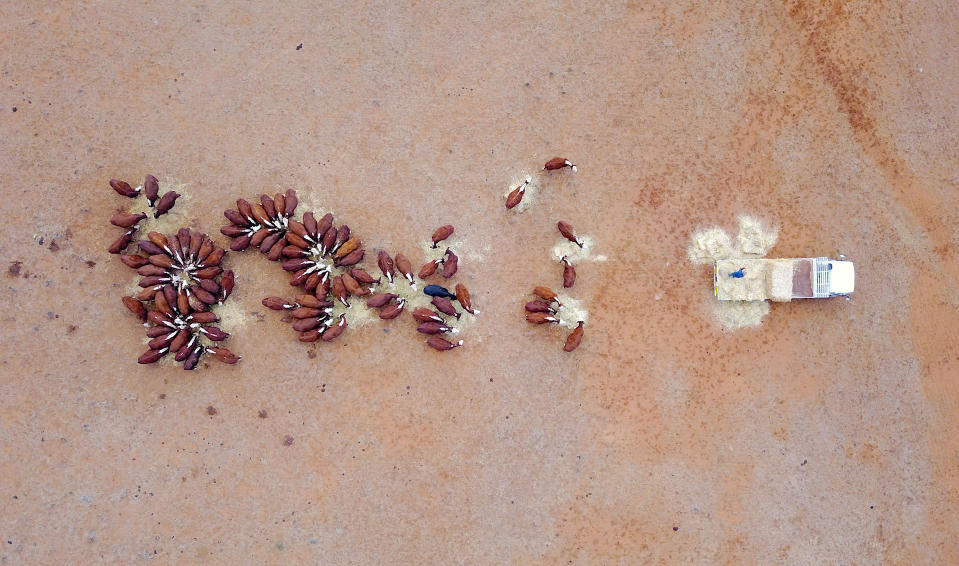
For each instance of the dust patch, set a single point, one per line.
(530, 197)
(733, 315)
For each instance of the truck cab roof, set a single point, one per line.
(843, 277)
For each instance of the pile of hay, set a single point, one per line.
(779, 280)
(753, 238)
(709, 246)
(713, 245)
(733, 315)
(751, 287)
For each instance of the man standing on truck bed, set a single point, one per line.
(739, 274)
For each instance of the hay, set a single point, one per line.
(764, 279)
(310, 200)
(709, 246)
(753, 238)
(466, 253)
(571, 312)
(180, 216)
(232, 316)
(529, 196)
(465, 321)
(753, 241)
(733, 315)
(714, 244)
(780, 280)
(750, 287)
(574, 253)
(358, 315)
(430, 253)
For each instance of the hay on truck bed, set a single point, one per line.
(780, 280)
(765, 279)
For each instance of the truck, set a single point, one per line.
(783, 280)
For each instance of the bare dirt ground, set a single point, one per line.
(825, 435)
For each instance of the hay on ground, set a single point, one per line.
(733, 315)
(709, 246)
(753, 238)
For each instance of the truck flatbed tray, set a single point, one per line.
(764, 279)
(802, 278)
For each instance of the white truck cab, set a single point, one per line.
(842, 277)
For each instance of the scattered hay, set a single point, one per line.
(529, 197)
(311, 200)
(404, 290)
(574, 253)
(753, 238)
(714, 244)
(733, 315)
(753, 241)
(465, 321)
(358, 314)
(571, 312)
(709, 246)
(176, 218)
(430, 253)
(232, 316)
(132, 287)
(467, 254)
